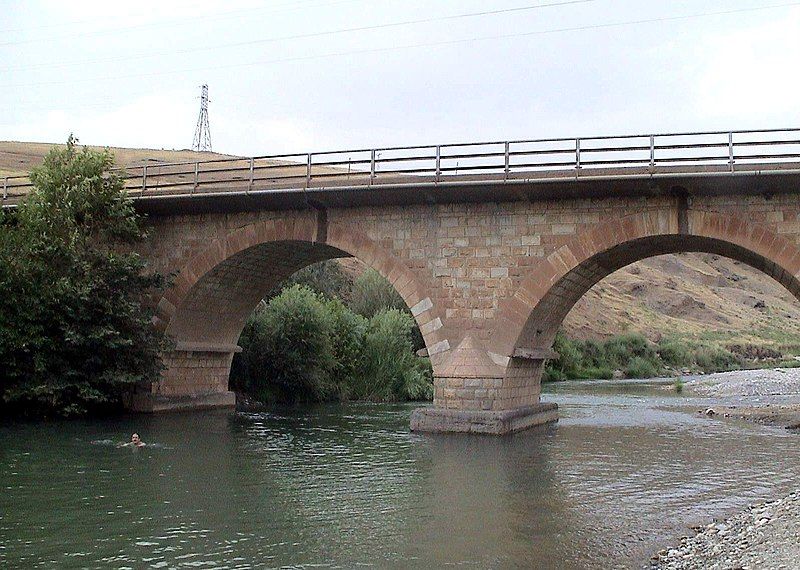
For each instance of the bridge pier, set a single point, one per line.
(196, 378)
(476, 391)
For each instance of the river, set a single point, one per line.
(626, 469)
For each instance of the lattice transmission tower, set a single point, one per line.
(202, 132)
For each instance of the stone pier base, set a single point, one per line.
(153, 403)
(479, 421)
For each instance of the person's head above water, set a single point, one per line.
(135, 440)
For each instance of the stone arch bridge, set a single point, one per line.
(490, 255)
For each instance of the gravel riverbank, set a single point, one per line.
(748, 388)
(767, 535)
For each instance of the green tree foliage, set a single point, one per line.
(290, 343)
(302, 348)
(325, 277)
(372, 293)
(74, 335)
(389, 369)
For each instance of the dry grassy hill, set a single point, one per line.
(691, 295)
(17, 158)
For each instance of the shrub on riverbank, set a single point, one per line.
(302, 348)
(635, 357)
(74, 335)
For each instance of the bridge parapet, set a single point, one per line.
(498, 162)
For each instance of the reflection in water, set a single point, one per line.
(627, 468)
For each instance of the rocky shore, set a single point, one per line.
(749, 389)
(767, 535)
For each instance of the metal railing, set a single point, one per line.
(504, 161)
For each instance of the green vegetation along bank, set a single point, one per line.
(633, 356)
(75, 334)
(303, 347)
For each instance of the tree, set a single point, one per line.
(74, 332)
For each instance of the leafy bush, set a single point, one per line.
(325, 277)
(348, 330)
(300, 348)
(74, 334)
(372, 293)
(675, 353)
(631, 353)
(713, 359)
(290, 342)
(388, 368)
(620, 350)
(640, 367)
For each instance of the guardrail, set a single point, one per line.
(719, 151)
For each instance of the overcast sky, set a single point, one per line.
(294, 75)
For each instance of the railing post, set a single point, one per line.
(577, 153)
(438, 162)
(730, 150)
(372, 166)
(5, 187)
(196, 176)
(252, 169)
(652, 151)
(144, 178)
(308, 171)
(507, 161)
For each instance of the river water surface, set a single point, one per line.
(626, 469)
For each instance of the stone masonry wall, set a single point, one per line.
(469, 258)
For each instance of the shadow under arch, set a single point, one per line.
(541, 303)
(213, 294)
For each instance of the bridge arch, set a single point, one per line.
(535, 312)
(217, 289)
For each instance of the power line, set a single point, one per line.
(310, 35)
(304, 5)
(423, 45)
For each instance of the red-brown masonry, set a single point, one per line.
(502, 275)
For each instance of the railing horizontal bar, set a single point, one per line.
(300, 156)
(299, 176)
(409, 158)
(476, 155)
(570, 151)
(517, 167)
(384, 149)
(767, 156)
(692, 159)
(766, 143)
(384, 173)
(691, 146)
(614, 149)
(621, 163)
(493, 168)
(283, 168)
(341, 163)
(352, 174)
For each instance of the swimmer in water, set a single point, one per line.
(134, 442)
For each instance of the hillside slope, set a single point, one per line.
(17, 158)
(693, 296)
